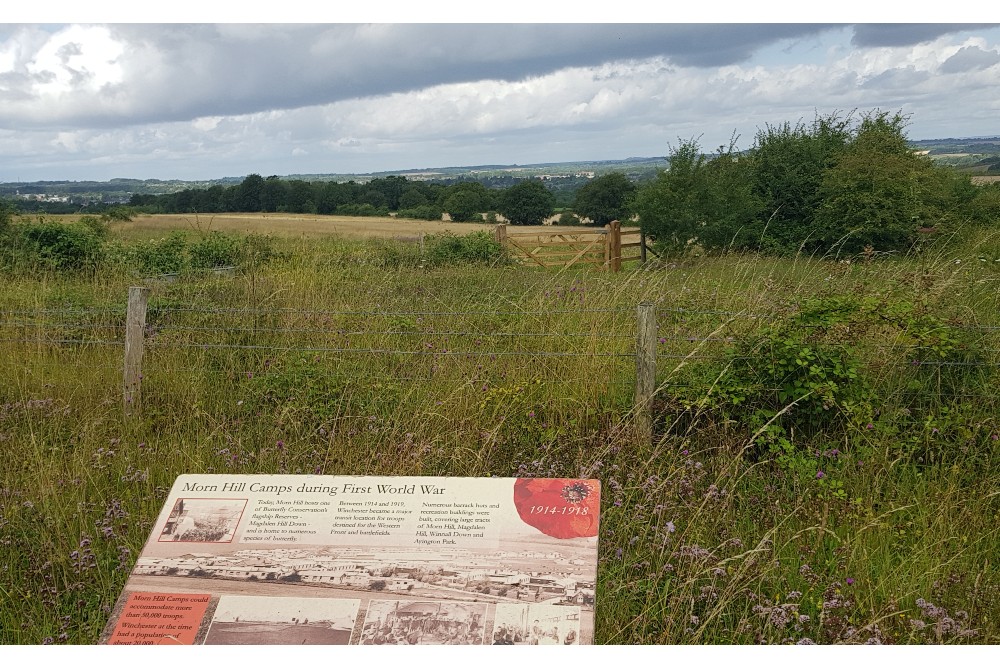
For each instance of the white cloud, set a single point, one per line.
(78, 58)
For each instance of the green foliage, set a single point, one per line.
(57, 246)
(878, 192)
(475, 248)
(96, 225)
(788, 163)
(800, 373)
(698, 543)
(118, 214)
(412, 198)
(839, 185)
(213, 250)
(158, 256)
(527, 203)
(697, 200)
(299, 386)
(984, 208)
(363, 210)
(249, 195)
(605, 198)
(569, 219)
(467, 201)
(422, 212)
(7, 212)
(464, 206)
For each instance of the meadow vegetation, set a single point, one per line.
(823, 469)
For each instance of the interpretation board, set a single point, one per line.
(310, 559)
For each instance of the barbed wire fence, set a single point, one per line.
(417, 345)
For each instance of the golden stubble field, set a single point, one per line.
(293, 225)
(304, 225)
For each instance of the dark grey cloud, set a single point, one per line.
(179, 72)
(905, 34)
(970, 58)
(896, 79)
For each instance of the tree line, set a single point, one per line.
(526, 202)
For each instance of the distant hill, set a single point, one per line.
(973, 154)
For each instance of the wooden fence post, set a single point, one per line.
(642, 247)
(615, 241)
(645, 368)
(135, 325)
(501, 233)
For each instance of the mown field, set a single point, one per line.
(824, 466)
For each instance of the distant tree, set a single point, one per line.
(465, 201)
(376, 585)
(605, 198)
(300, 197)
(527, 203)
(250, 193)
(274, 194)
(375, 197)
(412, 197)
(392, 188)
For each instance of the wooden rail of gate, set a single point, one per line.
(601, 248)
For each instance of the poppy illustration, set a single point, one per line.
(560, 508)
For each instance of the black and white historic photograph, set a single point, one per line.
(395, 622)
(536, 624)
(203, 520)
(242, 619)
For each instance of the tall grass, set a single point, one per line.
(709, 533)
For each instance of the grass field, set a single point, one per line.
(856, 502)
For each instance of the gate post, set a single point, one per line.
(615, 241)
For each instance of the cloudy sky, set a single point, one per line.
(198, 101)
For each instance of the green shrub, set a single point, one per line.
(96, 225)
(422, 212)
(118, 214)
(166, 255)
(477, 248)
(63, 247)
(698, 200)
(214, 250)
(569, 219)
(363, 210)
(806, 361)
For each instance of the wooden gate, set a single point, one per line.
(600, 247)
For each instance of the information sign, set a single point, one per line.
(300, 559)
